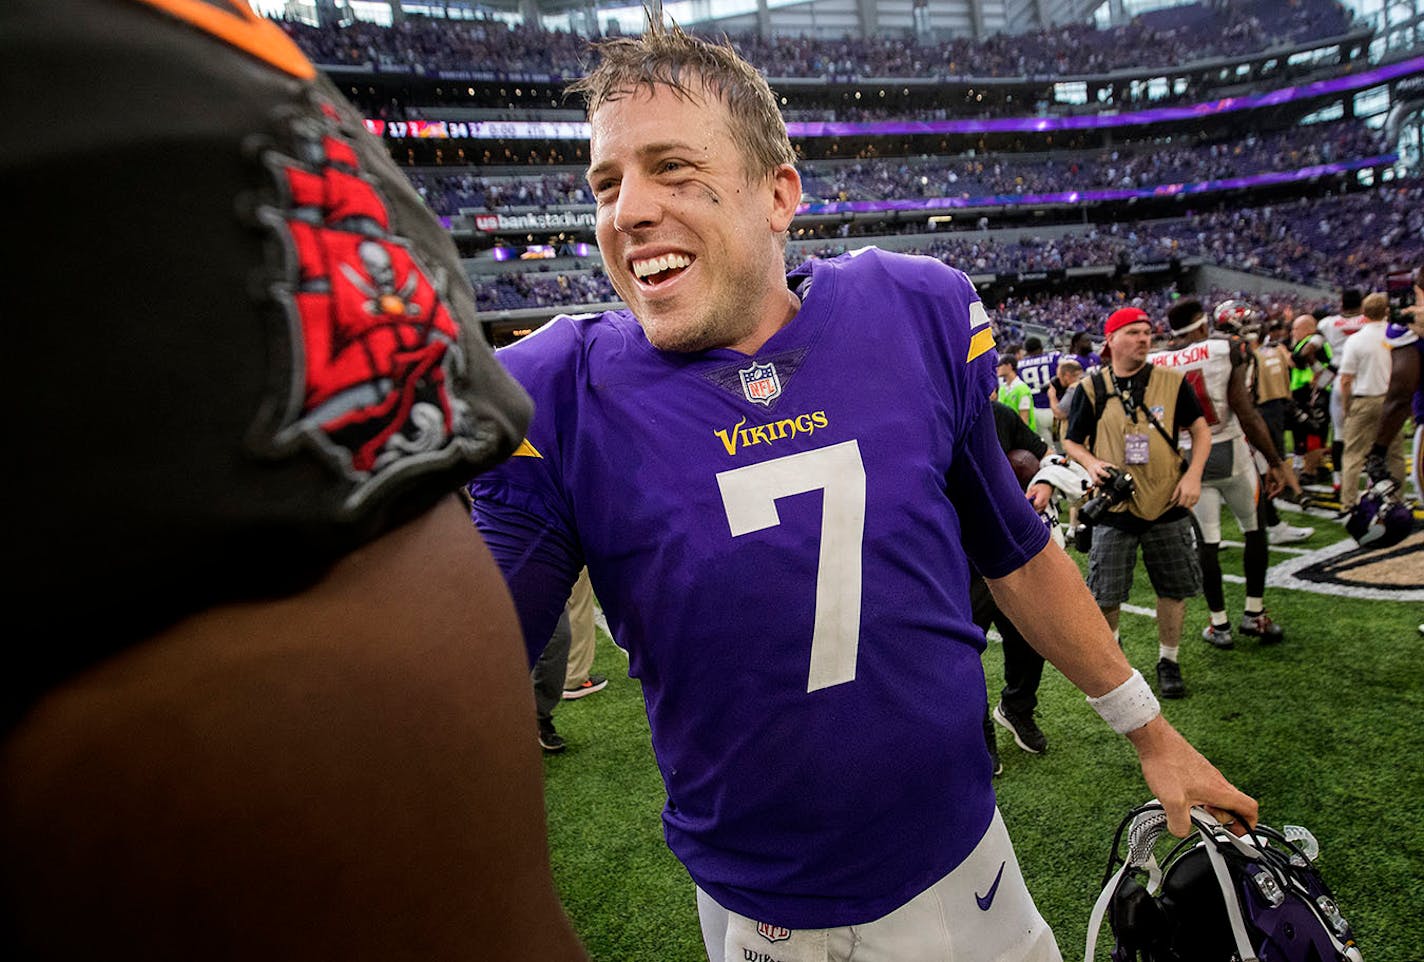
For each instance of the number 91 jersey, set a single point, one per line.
(780, 543)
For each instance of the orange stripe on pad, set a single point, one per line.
(233, 22)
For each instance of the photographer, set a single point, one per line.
(1124, 422)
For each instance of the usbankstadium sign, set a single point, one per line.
(494, 223)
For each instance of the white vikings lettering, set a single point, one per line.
(739, 436)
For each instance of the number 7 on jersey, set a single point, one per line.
(749, 496)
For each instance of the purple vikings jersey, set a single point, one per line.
(1088, 361)
(1402, 337)
(1037, 370)
(780, 543)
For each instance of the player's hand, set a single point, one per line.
(1099, 470)
(1180, 778)
(1039, 494)
(1280, 477)
(1187, 492)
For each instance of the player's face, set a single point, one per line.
(690, 242)
(1130, 345)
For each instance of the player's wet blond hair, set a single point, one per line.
(691, 67)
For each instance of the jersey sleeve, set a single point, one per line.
(520, 506)
(1399, 335)
(998, 527)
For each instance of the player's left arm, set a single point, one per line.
(1073, 635)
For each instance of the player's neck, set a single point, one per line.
(778, 315)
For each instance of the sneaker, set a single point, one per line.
(590, 685)
(552, 742)
(996, 762)
(1026, 734)
(1262, 628)
(1283, 533)
(1219, 636)
(1169, 679)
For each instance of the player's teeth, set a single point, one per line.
(657, 265)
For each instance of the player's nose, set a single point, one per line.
(639, 204)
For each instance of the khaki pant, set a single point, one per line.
(1361, 426)
(580, 611)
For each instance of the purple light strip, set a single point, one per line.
(1099, 121)
(1088, 196)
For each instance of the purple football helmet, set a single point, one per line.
(1380, 520)
(1216, 898)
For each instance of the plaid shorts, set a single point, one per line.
(1169, 550)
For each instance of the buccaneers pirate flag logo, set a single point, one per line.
(377, 345)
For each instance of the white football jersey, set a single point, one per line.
(1338, 327)
(1206, 365)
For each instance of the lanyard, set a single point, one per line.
(1129, 402)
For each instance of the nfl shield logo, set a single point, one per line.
(760, 383)
(772, 933)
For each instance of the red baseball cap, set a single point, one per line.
(1124, 316)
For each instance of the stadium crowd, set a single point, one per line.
(1160, 38)
(1127, 167)
(1336, 242)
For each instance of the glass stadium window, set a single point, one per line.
(1131, 8)
(371, 11)
(1334, 112)
(1372, 101)
(1071, 92)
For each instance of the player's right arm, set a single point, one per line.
(538, 559)
(520, 505)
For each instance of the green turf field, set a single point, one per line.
(1325, 730)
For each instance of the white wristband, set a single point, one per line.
(1129, 706)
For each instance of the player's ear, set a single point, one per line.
(785, 197)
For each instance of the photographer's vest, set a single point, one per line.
(1272, 373)
(1157, 479)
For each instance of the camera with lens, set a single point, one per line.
(1114, 489)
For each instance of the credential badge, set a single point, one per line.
(760, 383)
(773, 933)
